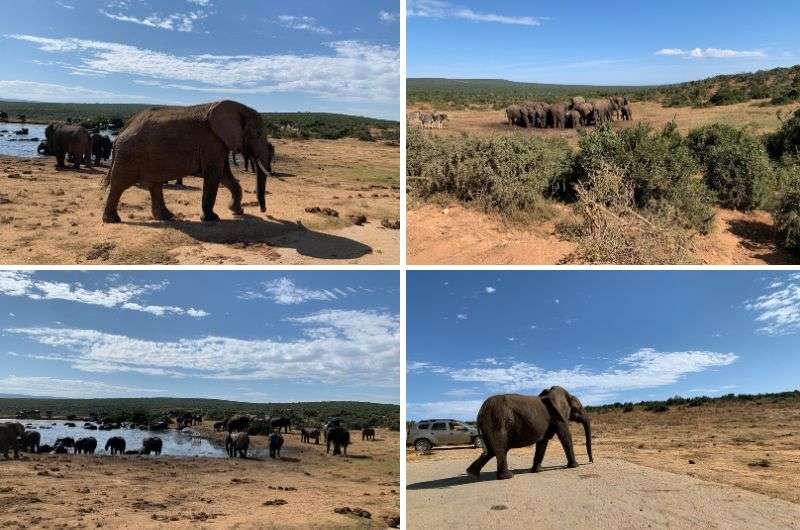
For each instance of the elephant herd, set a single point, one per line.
(577, 112)
(164, 144)
(13, 436)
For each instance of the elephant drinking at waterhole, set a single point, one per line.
(510, 421)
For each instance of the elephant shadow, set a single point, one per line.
(760, 237)
(83, 170)
(464, 479)
(250, 229)
(360, 457)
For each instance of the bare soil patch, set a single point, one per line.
(54, 217)
(78, 491)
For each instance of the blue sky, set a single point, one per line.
(602, 43)
(605, 336)
(243, 335)
(274, 56)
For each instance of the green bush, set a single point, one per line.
(785, 142)
(735, 164)
(510, 174)
(656, 164)
(727, 95)
(786, 211)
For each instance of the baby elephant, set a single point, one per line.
(368, 434)
(275, 444)
(237, 444)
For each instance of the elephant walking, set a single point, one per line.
(340, 438)
(168, 143)
(368, 434)
(627, 113)
(511, 421)
(73, 141)
(306, 435)
(275, 444)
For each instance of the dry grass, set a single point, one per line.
(77, 491)
(54, 217)
(726, 441)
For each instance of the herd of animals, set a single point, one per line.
(577, 112)
(238, 428)
(428, 120)
(165, 144)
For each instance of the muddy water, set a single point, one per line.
(20, 144)
(175, 443)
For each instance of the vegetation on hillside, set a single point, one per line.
(143, 410)
(279, 124)
(780, 86)
(790, 397)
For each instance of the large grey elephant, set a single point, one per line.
(151, 444)
(101, 147)
(572, 119)
(535, 114)
(11, 434)
(340, 438)
(64, 140)
(515, 115)
(116, 444)
(603, 111)
(32, 440)
(168, 143)
(627, 113)
(238, 423)
(237, 444)
(510, 421)
(86, 445)
(556, 115)
(586, 111)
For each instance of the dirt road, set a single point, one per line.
(82, 491)
(51, 216)
(610, 493)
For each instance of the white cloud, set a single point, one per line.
(462, 392)
(285, 292)
(708, 53)
(355, 71)
(183, 22)
(441, 10)
(35, 91)
(65, 6)
(461, 316)
(490, 290)
(355, 347)
(25, 283)
(386, 16)
(202, 3)
(303, 23)
(462, 410)
(779, 309)
(68, 388)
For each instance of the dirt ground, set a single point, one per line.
(54, 217)
(759, 119)
(750, 445)
(79, 491)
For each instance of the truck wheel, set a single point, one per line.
(422, 446)
(477, 442)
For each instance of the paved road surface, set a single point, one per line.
(607, 494)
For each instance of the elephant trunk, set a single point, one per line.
(587, 430)
(261, 186)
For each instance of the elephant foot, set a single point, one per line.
(164, 215)
(111, 218)
(572, 464)
(504, 475)
(535, 469)
(236, 210)
(209, 217)
(476, 473)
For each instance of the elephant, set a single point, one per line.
(197, 419)
(158, 426)
(69, 424)
(572, 119)
(510, 421)
(368, 434)
(151, 444)
(10, 435)
(237, 444)
(165, 143)
(45, 448)
(603, 111)
(32, 441)
(42, 148)
(439, 118)
(219, 426)
(66, 442)
(281, 423)
(515, 116)
(340, 438)
(535, 114)
(556, 114)
(586, 111)
(627, 113)
(306, 435)
(238, 423)
(86, 445)
(101, 148)
(116, 444)
(275, 444)
(575, 101)
(90, 426)
(617, 102)
(64, 140)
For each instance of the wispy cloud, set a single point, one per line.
(353, 71)
(461, 316)
(303, 23)
(120, 10)
(65, 6)
(441, 10)
(709, 53)
(284, 291)
(387, 17)
(778, 310)
(35, 91)
(490, 290)
(124, 296)
(354, 347)
(68, 388)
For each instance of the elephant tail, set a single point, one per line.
(107, 179)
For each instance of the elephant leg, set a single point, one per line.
(502, 465)
(475, 468)
(564, 436)
(115, 191)
(157, 204)
(541, 447)
(211, 184)
(60, 160)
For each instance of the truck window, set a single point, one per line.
(439, 427)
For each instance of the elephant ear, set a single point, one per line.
(227, 119)
(557, 402)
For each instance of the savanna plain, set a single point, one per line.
(696, 173)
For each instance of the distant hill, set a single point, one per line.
(779, 85)
(355, 413)
(279, 124)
